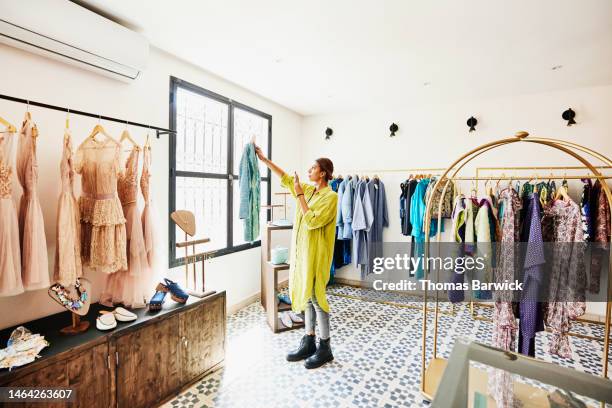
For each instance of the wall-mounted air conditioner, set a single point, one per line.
(70, 33)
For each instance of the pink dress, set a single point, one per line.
(130, 286)
(147, 220)
(10, 255)
(103, 236)
(68, 250)
(34, 257)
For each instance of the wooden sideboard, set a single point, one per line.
(138, 364)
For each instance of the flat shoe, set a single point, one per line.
(296, 318)
(286, 319)
(106, 321)
(124, 315)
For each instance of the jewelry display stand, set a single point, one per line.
(78, 326)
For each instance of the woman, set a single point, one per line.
(312, 250)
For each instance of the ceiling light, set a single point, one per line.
(426, 83)
(556, 67)
(278, 60)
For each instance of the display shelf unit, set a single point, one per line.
(270, 283)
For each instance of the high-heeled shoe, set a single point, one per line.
(177, 293)
(158, 298)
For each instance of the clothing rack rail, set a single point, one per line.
(416, 169)
(158, 130)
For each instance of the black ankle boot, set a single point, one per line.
(322, 356)
(306, 349)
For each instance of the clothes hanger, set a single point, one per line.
(9, 127)
(562, 192)
(147, 145)
(67, 128)
(125, 135)
(473, 192)
(28, 115)
(98, 129)
(503, 175)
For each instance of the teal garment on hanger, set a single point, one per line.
(250, 192)
(417, 219)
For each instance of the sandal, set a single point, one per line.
(158, 298)
(176, 292)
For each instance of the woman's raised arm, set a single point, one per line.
(272, 166)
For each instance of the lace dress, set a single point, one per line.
(34, 257)
(103, 236)
(68, 250)
(147, 220)
(130, 286)
(10, 254)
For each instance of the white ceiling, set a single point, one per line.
(323, 56)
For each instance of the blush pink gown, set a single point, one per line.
(68, 250)
(103, 235)
(130, 286)
(147, 220)
(34, 257)
(10, 254)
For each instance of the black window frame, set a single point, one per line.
(229, 248)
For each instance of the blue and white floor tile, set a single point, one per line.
(377, 356)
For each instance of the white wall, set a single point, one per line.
(33, 77)
(436, 135)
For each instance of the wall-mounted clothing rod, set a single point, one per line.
(159, 131)
(423, 169)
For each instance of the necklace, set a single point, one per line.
(67, 301)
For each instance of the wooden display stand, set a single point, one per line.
(140, 364)
(185, 220)
(270, 284)
(78, 326)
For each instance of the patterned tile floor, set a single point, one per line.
(377, 357)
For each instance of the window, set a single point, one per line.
(211, 132)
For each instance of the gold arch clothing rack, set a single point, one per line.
(542, 176)
(432, 372)
(158, 130)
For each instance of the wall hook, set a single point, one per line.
(569, 115)
(328, 133)
(472, 122)
(393, 128)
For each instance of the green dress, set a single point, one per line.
(312, 245)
